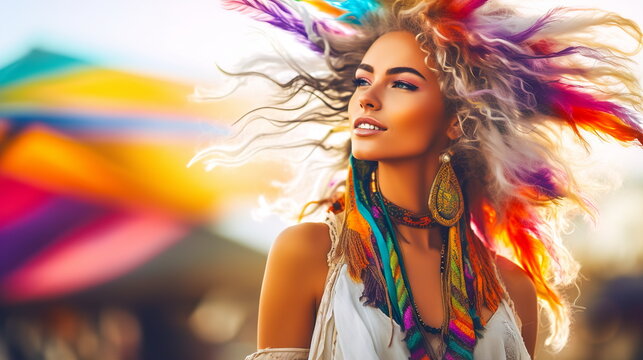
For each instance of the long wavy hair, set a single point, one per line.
(524, 88)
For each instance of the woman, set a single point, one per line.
(444, 236)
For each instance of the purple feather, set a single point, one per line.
(542, 179)
(277, 14)
(541, 23)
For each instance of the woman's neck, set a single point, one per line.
(407, 182)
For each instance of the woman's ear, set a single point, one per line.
(454, 131)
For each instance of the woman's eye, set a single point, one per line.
(404, 85)
(359, 82)
(396, 84)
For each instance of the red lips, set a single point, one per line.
(368, 120)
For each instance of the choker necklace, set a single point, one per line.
(401, 215)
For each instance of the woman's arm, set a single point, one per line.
(523, 294)
(293, 281)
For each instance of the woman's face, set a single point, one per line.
(397, 90)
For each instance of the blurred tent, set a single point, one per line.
(93, 181)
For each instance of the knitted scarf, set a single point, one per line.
(373, 257)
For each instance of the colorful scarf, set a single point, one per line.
(471, 281)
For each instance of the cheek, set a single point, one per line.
(418, 123)
(419, 116)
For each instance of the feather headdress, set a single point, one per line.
(514, 82)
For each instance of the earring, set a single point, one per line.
(445, 199)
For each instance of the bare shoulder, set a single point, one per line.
(311, 243)
(296, 268)
(307, 241)
(515, 278)
(522, 292)
(303, 247)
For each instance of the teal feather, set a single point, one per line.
(356, 9)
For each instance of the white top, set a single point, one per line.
(345, 329)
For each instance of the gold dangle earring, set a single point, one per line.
(446, 202)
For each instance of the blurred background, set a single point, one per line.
(112, 248)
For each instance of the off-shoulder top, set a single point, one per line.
(345, 329)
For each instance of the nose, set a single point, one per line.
(368, 100)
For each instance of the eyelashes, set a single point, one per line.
(406, 85)
(358, 81)
(399, 84)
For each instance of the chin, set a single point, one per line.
(361, 155)
(366, 155)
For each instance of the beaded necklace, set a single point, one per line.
(403, 216)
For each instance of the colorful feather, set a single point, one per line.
(277, 13)
(356, 9)
(580, 109)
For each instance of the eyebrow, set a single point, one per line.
(391, 71)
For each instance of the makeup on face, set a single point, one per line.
(367, 126)
(395, 87)
(407, 78)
